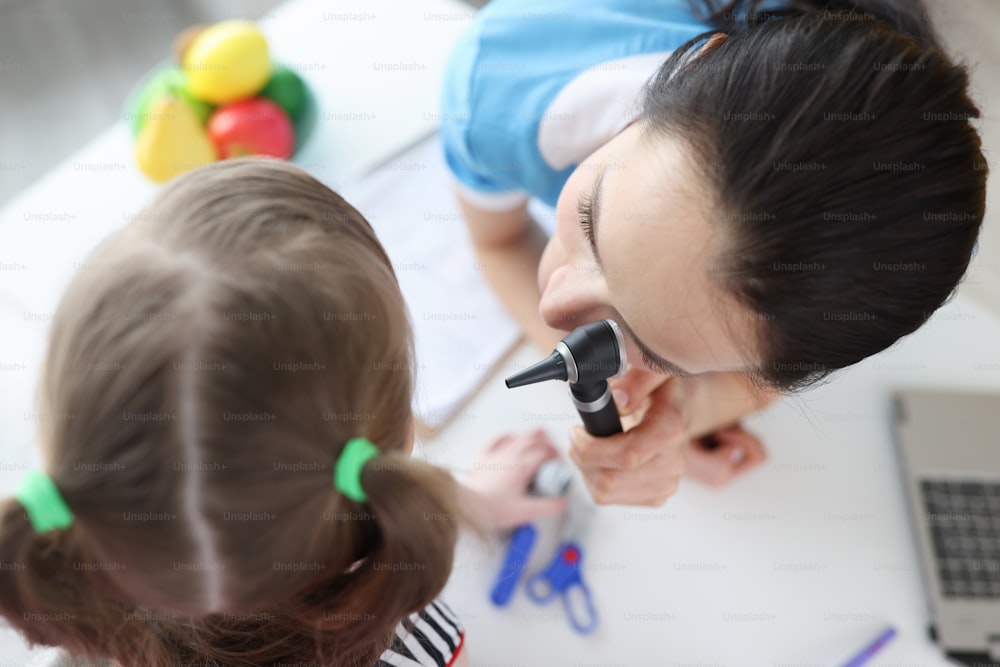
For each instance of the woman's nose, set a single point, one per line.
(570, 299)
(553, 256)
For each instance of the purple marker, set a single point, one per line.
(869, 651)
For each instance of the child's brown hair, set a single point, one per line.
(205, 368)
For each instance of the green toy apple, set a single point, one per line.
(288, 90)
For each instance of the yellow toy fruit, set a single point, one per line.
(172, 141)
(227, 61)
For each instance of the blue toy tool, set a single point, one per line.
(552, 479)
(521, 542)
(563, 577)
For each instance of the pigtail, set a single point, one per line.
(55, 594)
(46, 586)
(417, 510)
(413, 510)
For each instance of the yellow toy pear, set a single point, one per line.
(172, 141)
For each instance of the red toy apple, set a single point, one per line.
(256, 126)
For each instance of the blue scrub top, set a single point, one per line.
(534, 86)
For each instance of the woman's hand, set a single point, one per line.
(501, 475)
(643, 466)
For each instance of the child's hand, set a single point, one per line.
(501, 475)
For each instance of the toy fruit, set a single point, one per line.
(168, 81)
(172, 141)
(227, 61)
(288, 90)
(256, 126)
(222, 97)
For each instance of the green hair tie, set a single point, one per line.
(347, 474)
(45, 506)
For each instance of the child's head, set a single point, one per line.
(205, 369)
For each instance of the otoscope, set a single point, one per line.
(587, 358)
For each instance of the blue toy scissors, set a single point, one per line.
(563, 578)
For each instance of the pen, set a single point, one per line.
(869, 651)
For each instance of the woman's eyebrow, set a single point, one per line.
(664, 364)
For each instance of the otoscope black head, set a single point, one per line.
(589, 355)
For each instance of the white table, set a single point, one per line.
(799, 563)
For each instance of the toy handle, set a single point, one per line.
(540, 587)
(521, 542)
(585, 621)
(559, 575)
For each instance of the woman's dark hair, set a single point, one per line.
(205, 368)
(848, 176)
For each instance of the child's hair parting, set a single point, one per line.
(205, 369)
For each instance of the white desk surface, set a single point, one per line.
(800, 563)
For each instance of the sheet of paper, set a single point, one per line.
(461, 330)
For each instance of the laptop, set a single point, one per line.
(949, 447)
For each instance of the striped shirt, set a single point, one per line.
(432, 637)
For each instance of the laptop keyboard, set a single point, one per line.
(964, 518)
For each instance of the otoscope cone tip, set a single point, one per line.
(551, 368)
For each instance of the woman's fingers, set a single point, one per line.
(641, 466)
(631, 389)
(660, 432)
